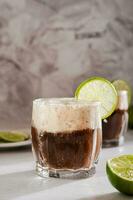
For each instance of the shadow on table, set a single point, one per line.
(110, 196)
(23, 183)
(14, 149)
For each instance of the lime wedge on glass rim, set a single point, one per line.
(9, 136)
(99, 89)
(123, 85)
(120, 173)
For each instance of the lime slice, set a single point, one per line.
(123, 85)
(99, 89)
(120, 173)
(6, 136)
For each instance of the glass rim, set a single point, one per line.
(67, 101)
(122, 93)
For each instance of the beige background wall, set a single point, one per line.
(47, 47)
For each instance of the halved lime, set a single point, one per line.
(99, 89)
(120, 173)
(7, 136)
(123, 85)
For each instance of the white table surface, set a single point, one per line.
(18, 180)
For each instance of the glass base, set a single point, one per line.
(113, 142)
(68, 174)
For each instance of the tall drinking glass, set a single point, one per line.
(115, 126)
(66, 137)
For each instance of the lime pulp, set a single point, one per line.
(7, 136)
(99, 89)
(120, 173)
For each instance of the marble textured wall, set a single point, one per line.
(47, 47)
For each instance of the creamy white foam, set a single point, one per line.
(65, 115)
(122, 100)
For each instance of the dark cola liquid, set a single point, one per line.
(115, 126)
(65, 150)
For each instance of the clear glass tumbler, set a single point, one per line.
(115, 126)
(66, 137)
